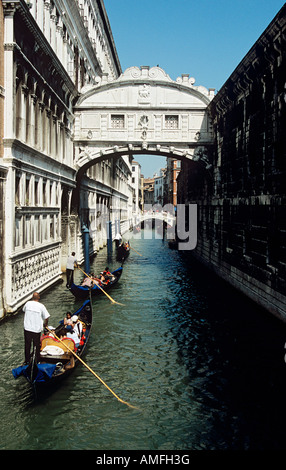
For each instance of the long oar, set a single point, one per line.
(135, 251)
(97, 376)
(112, 300)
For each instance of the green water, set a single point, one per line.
(203, 366)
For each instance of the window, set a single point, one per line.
(37, 226)
(17, 190)
(172, 122)
(52, 228)
(17, 240)
(27, 230)
(117, 121)
(36, 193)
(27, 190)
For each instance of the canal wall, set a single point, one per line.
(241, 198)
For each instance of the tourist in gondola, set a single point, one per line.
(74, 336)
(35, 319)
(67, 319)
(107, 275)
(77, 325)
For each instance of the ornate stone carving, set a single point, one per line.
(201, 155)
(30, 273)
(144, 93)
(144, 123)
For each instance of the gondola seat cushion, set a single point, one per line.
(50, 341)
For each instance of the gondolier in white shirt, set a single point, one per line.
(71, 264)
(35, 319)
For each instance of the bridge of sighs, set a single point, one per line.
(143, 112)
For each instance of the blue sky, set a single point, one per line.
(204, 38)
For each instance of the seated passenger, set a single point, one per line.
(106, 272)
(102, 279)
(68, 320)
(77, 325)
(87, 282)
(97, 281)
(73, 335)
(62, 333)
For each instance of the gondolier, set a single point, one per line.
(71, 264)
(94, 287)
(35, 319)
(58, 355)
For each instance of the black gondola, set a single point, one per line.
(54, 367)
(123, 251)
(81, 292)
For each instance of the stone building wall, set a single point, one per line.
(241, 199)
(49, 51)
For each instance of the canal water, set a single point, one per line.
(203, 366)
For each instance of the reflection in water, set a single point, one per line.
(204, 366)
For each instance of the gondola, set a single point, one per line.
(123, 251)
(81, 292)
(173, 244)
(57, 360)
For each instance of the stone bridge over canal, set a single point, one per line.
(143, 112)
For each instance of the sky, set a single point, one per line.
(205, 38)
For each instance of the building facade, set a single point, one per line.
(149, 191)
(172, 173)
(136, 184)
(49, 52)
(159, 185)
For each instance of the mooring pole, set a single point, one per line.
(109, 237)
(85, 233)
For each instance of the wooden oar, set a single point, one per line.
(112, 300)
(97, 376)
(135, 251)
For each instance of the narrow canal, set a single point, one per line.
(204, 366)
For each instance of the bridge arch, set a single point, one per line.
(87, 159)
(143, 111)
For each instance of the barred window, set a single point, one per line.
(172, 122)
(117, 121)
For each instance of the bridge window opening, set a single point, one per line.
(172, 122)
(117, 121)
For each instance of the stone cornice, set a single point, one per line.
(109, 35)
(149, 75)
(74, 22)
(41, 40)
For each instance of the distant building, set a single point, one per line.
(159, 187)
(148, 191)
(136, 183)
(172, 173)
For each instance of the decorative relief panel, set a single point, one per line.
(144, 94)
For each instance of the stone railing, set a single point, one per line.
(31, 271)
